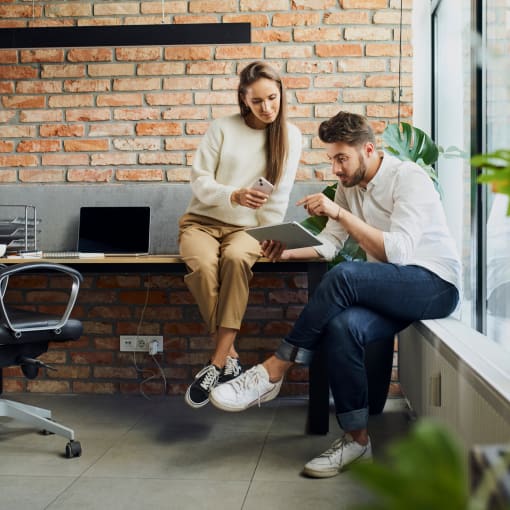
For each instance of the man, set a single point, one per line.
(412, 272)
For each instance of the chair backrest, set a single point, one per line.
(25, 334)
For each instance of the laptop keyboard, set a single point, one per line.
(69, 255)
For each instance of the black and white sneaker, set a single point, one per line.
(231, 370)
(197, 394)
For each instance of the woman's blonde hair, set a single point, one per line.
(277, 137)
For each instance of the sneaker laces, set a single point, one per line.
(337, 447)
(247, 381)
(210, 378)
(232, 366)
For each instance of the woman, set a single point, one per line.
(235, 152)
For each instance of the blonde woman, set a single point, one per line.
(235, 153)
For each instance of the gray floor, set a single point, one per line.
(161, 454)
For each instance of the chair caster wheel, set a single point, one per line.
(73, 449)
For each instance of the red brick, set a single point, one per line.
(139, 175)
(239, 52)
(92, 358)
(18, 160)
(87, 115)
(186, 53)
(43, 386)
(8, 56)
(89, 55)
(158, 128)
(296, 19)
(118, 8)
(61, 130)
(75, 9)
(89, 175)
(136, 113)
(269, 36)
(126, 84)
(39, 87)
(106, 388)
(62, 71)
(6, 146)
(38, 146)
(120, 100)
(169, 98)
(70, 101)
(255, 20)
(201, 6)
(64, 159)
(138, 54)
(87, 85)
(46, 55)
(85, 145)
(23, 101)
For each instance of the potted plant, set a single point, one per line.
(426, 470)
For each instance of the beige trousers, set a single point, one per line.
(219, 258)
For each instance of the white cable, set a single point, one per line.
(140, 370)
(162, 11)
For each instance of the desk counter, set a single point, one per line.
(318, 408)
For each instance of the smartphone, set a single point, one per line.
(263, 185)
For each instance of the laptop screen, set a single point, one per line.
(122, 230)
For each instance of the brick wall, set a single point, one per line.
(136, 114)
(117, 115)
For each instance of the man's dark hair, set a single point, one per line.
(345, 127)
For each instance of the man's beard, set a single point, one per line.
(357, 176)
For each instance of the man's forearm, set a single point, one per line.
(300, 254)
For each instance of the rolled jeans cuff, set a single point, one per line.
(353, 420)
(289, 352)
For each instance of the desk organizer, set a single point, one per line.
(18, 228)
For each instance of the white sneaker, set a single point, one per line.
(343, 451)
(250, 388)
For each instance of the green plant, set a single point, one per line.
(409, 143)
(497, 171)
(423, 471)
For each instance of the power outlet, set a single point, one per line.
(140, 343)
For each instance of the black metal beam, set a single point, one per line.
(125, 35)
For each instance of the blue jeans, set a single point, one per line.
(357, 303)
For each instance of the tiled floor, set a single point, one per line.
(161, 454)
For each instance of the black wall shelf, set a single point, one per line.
(125, 35)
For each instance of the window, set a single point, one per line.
(471, 110)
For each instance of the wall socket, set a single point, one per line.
(140, 343)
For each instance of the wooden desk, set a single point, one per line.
(318, 406)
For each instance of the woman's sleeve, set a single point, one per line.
(203, 171)
(273, 211)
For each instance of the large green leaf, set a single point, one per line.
(410, 143)
(496, 167)
(423, 471)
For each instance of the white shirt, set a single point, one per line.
(402, 202)
(232, 155)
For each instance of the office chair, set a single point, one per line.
(25, 334)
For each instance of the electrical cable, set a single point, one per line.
(140, 370)
(400, 64)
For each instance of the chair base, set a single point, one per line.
(40, 419)
(31, 415)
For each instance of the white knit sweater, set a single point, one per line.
(231, 156)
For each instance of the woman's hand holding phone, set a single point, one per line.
(255, 196)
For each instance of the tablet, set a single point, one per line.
(291, 234)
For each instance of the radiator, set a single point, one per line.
(446, 372)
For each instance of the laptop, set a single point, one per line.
(114, 231)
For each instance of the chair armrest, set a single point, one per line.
(7, 271)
